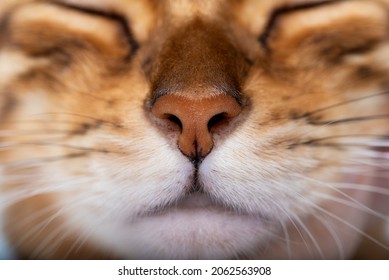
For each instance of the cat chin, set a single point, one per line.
(198, 227)
(191, 232)
(194, 228)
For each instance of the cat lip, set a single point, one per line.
(190, 201)
(198, 201)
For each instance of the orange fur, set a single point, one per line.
(90, 163)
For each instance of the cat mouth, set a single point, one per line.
(199, 202)
(188, 202)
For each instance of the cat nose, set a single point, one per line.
(196, 120)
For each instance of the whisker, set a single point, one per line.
(40, 227)
(96, 120)
(359, 136)
(365, 173)
(352, 204)
(353, 200)
(54, 235)
(298, 231)
(351, 226)
(376, 144)
(362, 187)
(310, 235)
(6, 146)
(372, 154)
(80, 241)
(344, 103)
(49, 118)
(356, 159)
(37, 228)
(38, 161)
(339, 244)
(58, 186)
(28, 132)
(287, 239)
(349, 120)
(49, 121)
(343, 221)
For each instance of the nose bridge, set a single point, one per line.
(197, 61)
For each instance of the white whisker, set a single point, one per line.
(339, 244)
(351, 204)
(346, 223)
(311, 236)
(362, 187)
(332, 187)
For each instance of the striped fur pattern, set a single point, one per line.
(194, 129)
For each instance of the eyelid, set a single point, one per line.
(280, 11)
(121, 20)
(108, 29)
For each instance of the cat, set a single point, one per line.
(226, 129)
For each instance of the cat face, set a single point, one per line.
(193, 129)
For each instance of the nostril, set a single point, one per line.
(174, 119)
(194, 121)
(217, 121)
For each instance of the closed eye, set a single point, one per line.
(279, 12)
(121, 20)
(41, 28)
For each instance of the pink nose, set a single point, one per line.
(196, 119)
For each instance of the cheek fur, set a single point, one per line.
(296, 122)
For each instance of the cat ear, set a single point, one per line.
(323, 34)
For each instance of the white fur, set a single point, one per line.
(125, 188)
(257, 192)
